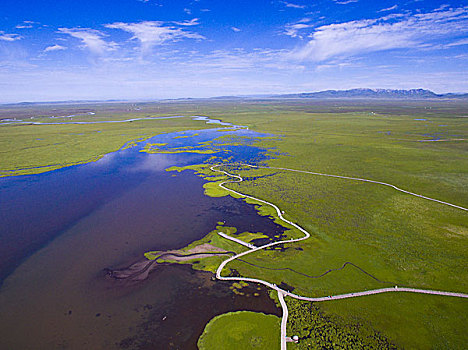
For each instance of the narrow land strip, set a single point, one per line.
(245, 244)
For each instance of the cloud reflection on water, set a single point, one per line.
(155, 163)
(105, 160)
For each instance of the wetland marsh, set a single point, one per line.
(107, 214)
(140, 208)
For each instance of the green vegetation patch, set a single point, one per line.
(318, 330)
(156, 148)
(184, 136)
(209, 263)
(392, 236)
(33, 149)
(241, 330)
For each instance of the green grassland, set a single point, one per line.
(30, 149)
(397, 238)
(156, 148)
(418, 251)
(241, 330)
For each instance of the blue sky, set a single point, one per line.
(136, 49)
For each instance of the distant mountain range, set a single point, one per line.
(415, 94)
(383, 94)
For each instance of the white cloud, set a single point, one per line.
(26, 24)
(292, 30)
(390, 32)
(458, 43)
(55, 47)
(235, 29)
(187, 11)
(241, 60)
(91, 38)
(292, 5)
(9, 37)
(192, 22)
(345, 2)
(394, 7)
(153, 33)
(442, 7)
(322, 67)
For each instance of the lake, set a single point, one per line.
(60, 230)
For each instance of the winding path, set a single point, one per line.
(282, 292)
(362, 180)
(284, 321)
(248, 245)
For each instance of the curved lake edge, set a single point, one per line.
(127, 143)
(221, 292)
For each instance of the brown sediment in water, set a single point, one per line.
(140, 270)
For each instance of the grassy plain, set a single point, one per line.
(395, 237)
(31, 149)
(241, 330)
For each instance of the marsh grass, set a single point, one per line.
(32, 149)
(241, 330)
(393, 236)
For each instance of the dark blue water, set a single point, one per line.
(36, 208)
(60, 230)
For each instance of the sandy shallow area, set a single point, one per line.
(140, 270)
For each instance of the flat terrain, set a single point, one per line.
(241, 330)
(369, 236)
(395, 237)
(31, 149)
